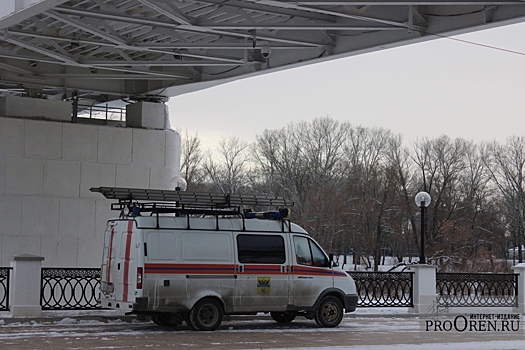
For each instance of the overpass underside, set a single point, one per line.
(119, 51)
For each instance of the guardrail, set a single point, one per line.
(69, 288)
(380, 289)
(101, 114)
(5, 273)
(476, 289)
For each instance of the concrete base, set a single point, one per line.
(25, 107)
(25, 311)
(520, 270)
(147, 115)
(424, 289)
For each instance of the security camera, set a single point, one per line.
(266, 51)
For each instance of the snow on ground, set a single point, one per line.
(491, 345)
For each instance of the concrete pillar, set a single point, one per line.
(520, 270)
(149, 115)
(424, 288)
(25, 287)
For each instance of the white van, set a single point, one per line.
(197, 257)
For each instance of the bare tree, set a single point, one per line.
(227, 168)
(370, 188)
(506, 164)
(191, 160)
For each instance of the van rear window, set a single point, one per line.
(261, 249)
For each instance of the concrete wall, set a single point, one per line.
(46, 170)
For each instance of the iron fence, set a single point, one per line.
(69, 288)
(374, 289)
(476, 289)
(5, 273)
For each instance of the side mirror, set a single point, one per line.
(332, 262)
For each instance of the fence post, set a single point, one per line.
(25, 287)
(424, 296)
(520, 296)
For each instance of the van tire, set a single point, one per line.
(282, 317)
(329, 312)
(206, 315)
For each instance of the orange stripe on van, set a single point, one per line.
(196, 269)
(312, 271)
(126, 260)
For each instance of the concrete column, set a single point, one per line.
(520, 270)
(424, 288)
(149, 115)
(25, 287)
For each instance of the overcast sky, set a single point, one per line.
(439, 87)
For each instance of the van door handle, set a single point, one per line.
(241, 268)
(118, 266)
(283, 268)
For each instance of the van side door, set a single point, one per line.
(262, 272)
(311, 271)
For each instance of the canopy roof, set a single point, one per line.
(129, 50)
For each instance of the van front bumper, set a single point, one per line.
(350, 302)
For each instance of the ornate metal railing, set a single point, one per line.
(476, 289)
(69, 289)
(4, 288)
(384, 288)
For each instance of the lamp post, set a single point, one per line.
(422, 201)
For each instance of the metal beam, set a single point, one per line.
(174, 14)
(340, 14)
(179, 27)
(407, 2)
(13, 12)
(82, 25)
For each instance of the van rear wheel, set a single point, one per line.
(329, 312)
(282, 317)
(206, 315)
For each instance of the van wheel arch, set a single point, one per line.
(330, 292)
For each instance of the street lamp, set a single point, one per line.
(422, 200)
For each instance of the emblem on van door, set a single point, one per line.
(263, 285)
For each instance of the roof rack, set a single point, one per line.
(201, 199)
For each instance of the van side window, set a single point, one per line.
(307, 252)
(261, 249)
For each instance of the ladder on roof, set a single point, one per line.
(199, 199)
(192, 203)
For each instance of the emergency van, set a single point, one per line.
(195, 257)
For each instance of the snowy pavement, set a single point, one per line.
(373, 329)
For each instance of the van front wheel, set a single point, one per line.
(206, 315)
(329, 312)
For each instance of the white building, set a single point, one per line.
(48, 164)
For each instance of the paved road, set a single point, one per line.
(355, 332)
